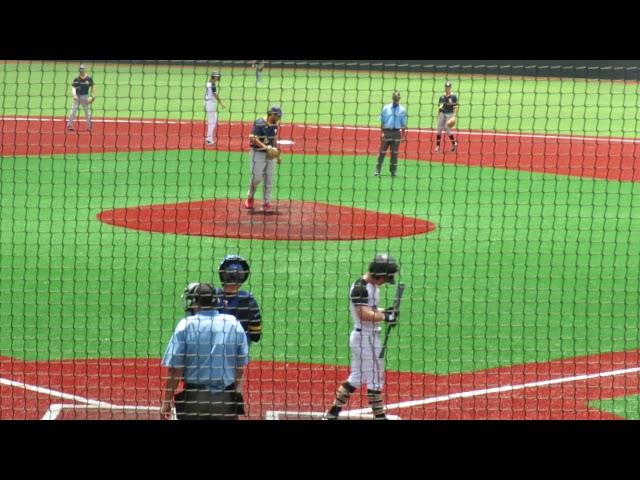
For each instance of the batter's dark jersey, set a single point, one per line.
(245, 308)
(82, 85)
(264, 132)
(359, 294)
(448, 102)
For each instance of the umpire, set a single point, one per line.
(393, 120)
(209, 351)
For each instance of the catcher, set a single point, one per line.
(264, 155)
(447, 116)
(80, 90)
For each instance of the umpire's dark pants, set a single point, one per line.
(391, 138)
(197, 402)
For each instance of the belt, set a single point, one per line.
(391, 129)
(200, 386)
(374, 331)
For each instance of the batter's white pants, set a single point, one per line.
(261, 169)
(366, 367)
(84, 101)
(210, 108)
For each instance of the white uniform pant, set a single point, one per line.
(443, 118)
(261, 169)
(84, 101)
(366, 367)
(210, 108)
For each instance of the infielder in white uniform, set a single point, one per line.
(211, 101)
(366, 366)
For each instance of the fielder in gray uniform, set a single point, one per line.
(447, 116)
(264, 136)
(80, 90)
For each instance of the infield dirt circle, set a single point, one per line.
(290, 220)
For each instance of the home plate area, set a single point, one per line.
(130, 389)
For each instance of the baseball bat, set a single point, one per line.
(396, 307)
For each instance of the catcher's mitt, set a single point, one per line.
(451, 123)
(272, 152)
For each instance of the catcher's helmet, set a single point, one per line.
(234, 269)
(275, 109)
(201, 293)
(384, 265)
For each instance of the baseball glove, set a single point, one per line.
(272, 152)
(451, 123)
(91, 100)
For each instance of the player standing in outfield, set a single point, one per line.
(259, 66)
(447, 116)
(234, 271)
(264, 154)
(80, 90)
(209, 351)
(393, 120)
(364, 342)
(211, 101)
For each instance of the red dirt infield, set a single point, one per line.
(302, 387)
(290, 220)
(604, 158)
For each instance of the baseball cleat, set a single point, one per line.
(70, 129)
(437, 148)
(454, 146)
(267, 208)
(210, 142)
(376, 174)
(331, 414)
(248, 203)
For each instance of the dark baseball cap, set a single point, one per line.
(448, 84)
(275, 109)
(215, 74)
(81, 66)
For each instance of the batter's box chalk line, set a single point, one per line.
(296, 415)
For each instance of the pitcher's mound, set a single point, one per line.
(289, 220)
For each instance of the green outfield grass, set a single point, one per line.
(568, 106)
(522, 267)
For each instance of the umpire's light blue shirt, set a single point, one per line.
(393, 116)
(209, 346)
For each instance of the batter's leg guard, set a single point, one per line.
(342, 397)
(377, 404)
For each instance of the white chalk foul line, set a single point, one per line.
(470, 133)
(53, 393)
(347, 415)
(505, 388)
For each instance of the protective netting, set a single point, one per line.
(515, 229)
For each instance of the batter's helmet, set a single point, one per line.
(384, 265)
(234, 269)
(275, 109)
(199, 293)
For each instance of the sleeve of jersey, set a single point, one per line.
(255, 321)
(242, 345)
(359, 295)
(174, 355)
